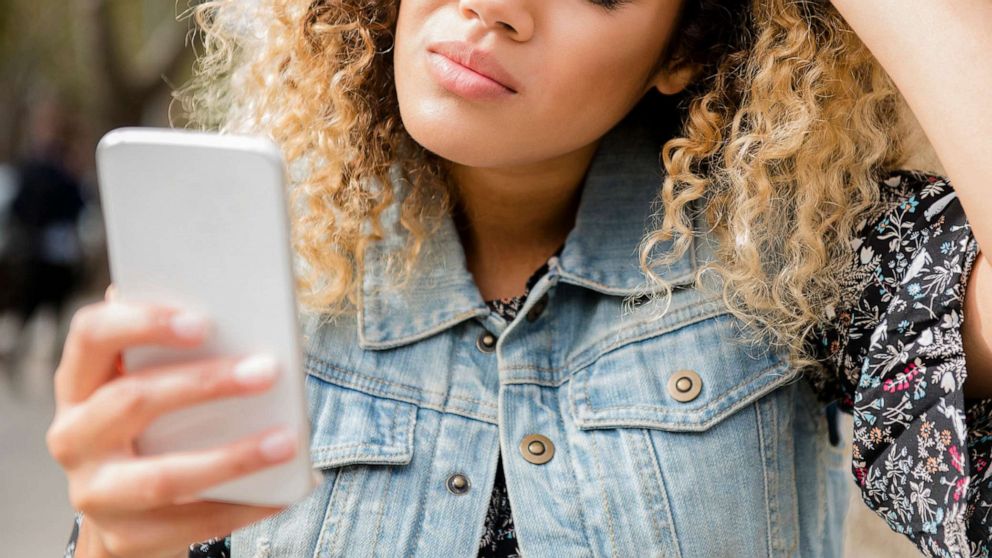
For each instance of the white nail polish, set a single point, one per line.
(188, 324)
(256, 369)
(278, 445)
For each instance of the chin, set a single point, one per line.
(460, 152)
(460, 144)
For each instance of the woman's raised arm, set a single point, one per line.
(937, 53)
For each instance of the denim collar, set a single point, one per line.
(600, 253)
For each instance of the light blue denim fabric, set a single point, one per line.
(402, 398)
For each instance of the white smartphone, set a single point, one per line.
(199, 220)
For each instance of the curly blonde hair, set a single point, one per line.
(787, 130)
(781, 155)
(318, 80)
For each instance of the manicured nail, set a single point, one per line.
(278, 445)
(189, 324)
(255, 369)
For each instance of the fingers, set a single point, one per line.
(121, 409)
(146, 483)
(98, 332)
(149, 506)
(145, 534)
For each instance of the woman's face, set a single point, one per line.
(574, 69)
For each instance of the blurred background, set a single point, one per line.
(69, 72)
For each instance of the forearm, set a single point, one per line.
(977, 332)
(939, 54)
(87, 545)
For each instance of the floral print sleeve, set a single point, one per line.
(921, 452)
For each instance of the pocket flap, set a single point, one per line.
(351, 427)
(629, 387)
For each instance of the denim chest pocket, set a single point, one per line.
(350, 427)
(356, 441)
(686, 378)
(667, 458)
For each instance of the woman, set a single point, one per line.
(619, 400)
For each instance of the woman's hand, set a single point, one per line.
(146, 505)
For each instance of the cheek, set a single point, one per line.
(409, 70)
(404, 42)
(592, 86)
(612, 65)
(602, 66)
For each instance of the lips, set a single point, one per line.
(479, 61)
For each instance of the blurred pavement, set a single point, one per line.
(35, 515)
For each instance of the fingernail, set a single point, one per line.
(278, 445)
(255, 369)
(188, 324)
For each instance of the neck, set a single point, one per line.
(511, 220)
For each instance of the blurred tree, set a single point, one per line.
(111, 61)
(131, 83)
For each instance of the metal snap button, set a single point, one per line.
(537, 449)
(685, 385)
(535, 311)
(458, 484)
(486, 342)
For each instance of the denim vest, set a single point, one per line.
(666, 436)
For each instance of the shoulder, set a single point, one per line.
(909, 258)
(917, 196)
(915, 209)
(917, 240)
(914, 253)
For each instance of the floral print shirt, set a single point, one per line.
(921, 451)
(895, 360)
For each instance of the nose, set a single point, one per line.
(508, 16)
